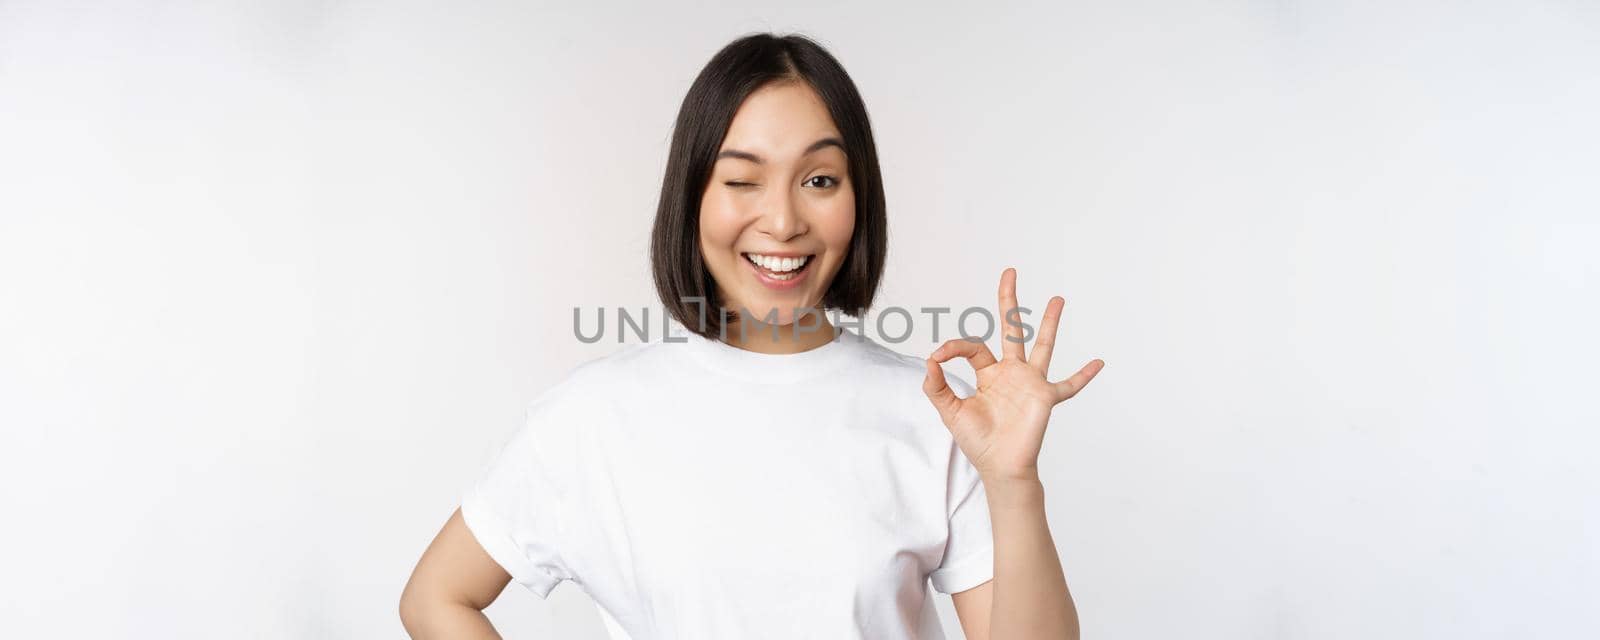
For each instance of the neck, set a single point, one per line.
(807, 332)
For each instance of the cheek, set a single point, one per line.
(719, 225)
(838, 222)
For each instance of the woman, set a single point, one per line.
(768, 474)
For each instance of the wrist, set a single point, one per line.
(1018, 475)
(1018, 488)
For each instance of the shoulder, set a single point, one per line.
(896, 381)
(583, 399)
(597, 375)
(596, 382)
(903, 369)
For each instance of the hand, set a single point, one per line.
(1001, 427)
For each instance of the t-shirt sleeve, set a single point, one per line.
(515, 509)
(969, 553)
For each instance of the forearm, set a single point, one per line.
(1030, 593)
(447, 620)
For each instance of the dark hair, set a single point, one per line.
(732, 74)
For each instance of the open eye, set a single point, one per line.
(822, 182)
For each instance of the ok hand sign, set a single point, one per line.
(1001, 427)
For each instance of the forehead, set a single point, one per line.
(780, 120)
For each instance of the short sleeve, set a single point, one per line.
(515, 510)
(969, 553)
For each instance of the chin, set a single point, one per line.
(785, 310)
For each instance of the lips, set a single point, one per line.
(786, 276)
(779, 265)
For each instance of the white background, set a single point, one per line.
(275, 280)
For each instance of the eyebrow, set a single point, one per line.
(746, 155)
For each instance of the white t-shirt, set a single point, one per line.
(697, 490)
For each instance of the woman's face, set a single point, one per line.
(778, 212)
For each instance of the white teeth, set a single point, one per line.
(776, 264)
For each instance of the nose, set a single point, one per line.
(780, 217)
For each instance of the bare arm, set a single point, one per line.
(1028, 597)
(453, 582)
(974, 608)
(1001, 428)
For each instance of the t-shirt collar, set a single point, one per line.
(766, 367)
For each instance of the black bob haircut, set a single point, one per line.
(682, 280)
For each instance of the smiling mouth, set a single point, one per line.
(779, 268)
